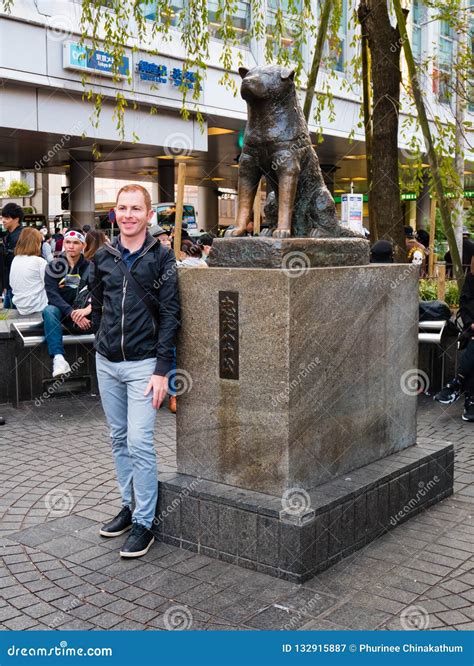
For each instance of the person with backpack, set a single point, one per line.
(66, 282)
(135, 318)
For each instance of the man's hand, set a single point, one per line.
(77, 315)
(83, 324)
(159, 386)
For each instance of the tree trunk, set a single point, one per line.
(318, 52)
(384, 43)
(432, 155)
(367, 104)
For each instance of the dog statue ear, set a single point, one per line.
(288, 74)
(243, 71)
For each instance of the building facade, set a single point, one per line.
(47, 123)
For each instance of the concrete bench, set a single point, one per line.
(431, 333)
(30, 334)
(25, 365)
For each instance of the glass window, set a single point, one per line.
(417, 18)
(445, 62)
(170, 14)
(334, 48)
(240, 18)
(281, 13)
(470, 82)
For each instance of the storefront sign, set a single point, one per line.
(82, 59)
(158, 73)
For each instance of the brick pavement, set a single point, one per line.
(57, 485)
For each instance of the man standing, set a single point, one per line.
(135, 316)
(65, 278)
(12, 217)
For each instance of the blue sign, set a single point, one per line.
(149, 71)
(81, 58)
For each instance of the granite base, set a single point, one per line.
(261, 532)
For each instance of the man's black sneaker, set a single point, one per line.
(468, 414)
(138, 542)
(450, 393)
(118, 525)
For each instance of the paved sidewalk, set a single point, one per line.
(57, 485)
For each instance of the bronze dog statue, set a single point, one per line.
(277, 145)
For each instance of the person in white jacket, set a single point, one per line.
(27, 273)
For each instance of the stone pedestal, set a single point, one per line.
(296, 421)
(319, 360)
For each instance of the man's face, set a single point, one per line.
(73, 248)
(10, 223)
(206, 249)
(132, 214)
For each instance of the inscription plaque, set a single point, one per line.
(229, 334)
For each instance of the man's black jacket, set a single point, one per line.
(124, 328)
(10, 241)
(466, 304)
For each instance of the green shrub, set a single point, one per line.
(428, 291)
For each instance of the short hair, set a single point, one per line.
(13, 211)
(29, 243)
(134, 187)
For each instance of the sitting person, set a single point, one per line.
(27, 273)
(66, 278)
(191, 256)
(381, 252)
(205, 243)
(94, 241)
(464, 380)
